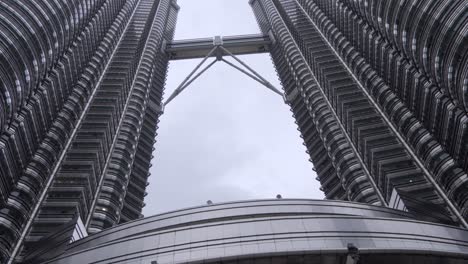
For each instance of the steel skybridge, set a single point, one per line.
(219, 47)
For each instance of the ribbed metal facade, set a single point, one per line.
(81, 83)
(379, 91)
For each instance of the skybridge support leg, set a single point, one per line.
(182, 86)
(265, 82)
(220, 51)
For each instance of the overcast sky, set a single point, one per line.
(225, 137)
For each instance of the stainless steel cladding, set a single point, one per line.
(379, 92)
(81, 83)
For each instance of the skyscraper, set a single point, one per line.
(379, 91)
(81, 84)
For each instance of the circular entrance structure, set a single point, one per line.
(274, 231)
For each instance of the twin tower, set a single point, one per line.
(378, 89)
